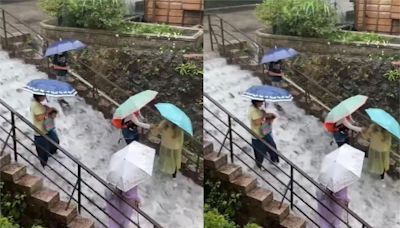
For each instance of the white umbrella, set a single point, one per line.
(130, 166)
(341, 167)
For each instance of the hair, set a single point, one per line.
(176, 130)
(36, 97)
(254, 102)
(377, 129)
(53, 111)
(270, 116)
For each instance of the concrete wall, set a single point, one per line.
(315, 45)
(194, 39)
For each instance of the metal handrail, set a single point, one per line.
(84, 167)
(310, 179)
(100, 75)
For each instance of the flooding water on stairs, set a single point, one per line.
(87, 135)
(299, 137)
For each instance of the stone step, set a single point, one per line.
(212, 160)
(24, 53)
(12, 172)
(208, 147)
(29, 184)
(275, 213)
(250, 66)
(241, 59)
(5, 159)
(80, 222)
(235, 44)
(46, 198)
(36, 59)
(17, 46)
(61, 215)
(234, 52)
(260, 197)
(229, 172)
(245, 183)
(15, 37)
(292, 221)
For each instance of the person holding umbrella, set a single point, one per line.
(257, 116)
(274, 59)
(339, 120)
(128, 118)
(171, 131)
(380, 136)
(40, 88)
(129, 167)
(340, 168)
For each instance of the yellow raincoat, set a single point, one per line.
(170, 148)
(379, 151)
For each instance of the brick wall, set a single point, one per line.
(175, 12)
(378, 16)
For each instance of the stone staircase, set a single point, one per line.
(21, 45)
(42, 203)
(237, 52)
(258, 203)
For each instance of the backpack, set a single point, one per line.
(330, 127)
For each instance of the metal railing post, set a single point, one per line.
(222, 36)
(230, 137)
(291, 187)
(14, 135)
(3, 14)
(210, 31)
(79, 188)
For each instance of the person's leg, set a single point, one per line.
(274, 156)
(42, 149)
(129, 135)
(259, 151)
(53, 135)
(178, 161)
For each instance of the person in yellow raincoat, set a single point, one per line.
(379, 149)
(171, 146)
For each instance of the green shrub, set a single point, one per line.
(189, 69)
(6, 223)
(252, 225)
(12, 206)
(227, 203)
(212, 219)
(357, 37)
(96, 14)
(140, 28)
(307, 18)
(393, 75)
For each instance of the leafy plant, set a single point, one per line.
(226, 203)
(357, 37)
(393, 75)
(252, 225)
(308, 18)
(213, 219)
(6, 223)
(189, 69)
(12, 206)
(141, 28)
(96, 14)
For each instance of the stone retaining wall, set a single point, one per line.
(193, 38)
(315, 45)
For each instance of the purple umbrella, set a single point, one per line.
(63, 46)
(277, 54)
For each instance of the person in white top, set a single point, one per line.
(131, 125)
(342, 128)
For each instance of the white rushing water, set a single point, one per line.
(87, 135)
(299, 137)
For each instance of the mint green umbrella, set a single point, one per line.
(134, 103)
(384, 120)
(345, 108)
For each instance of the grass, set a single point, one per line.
(157, 29)
(349, 37)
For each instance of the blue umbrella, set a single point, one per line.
(277, 54)
(50, 87)
(268, 93)
(384, 120)
(176, 116)
(63, 46)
